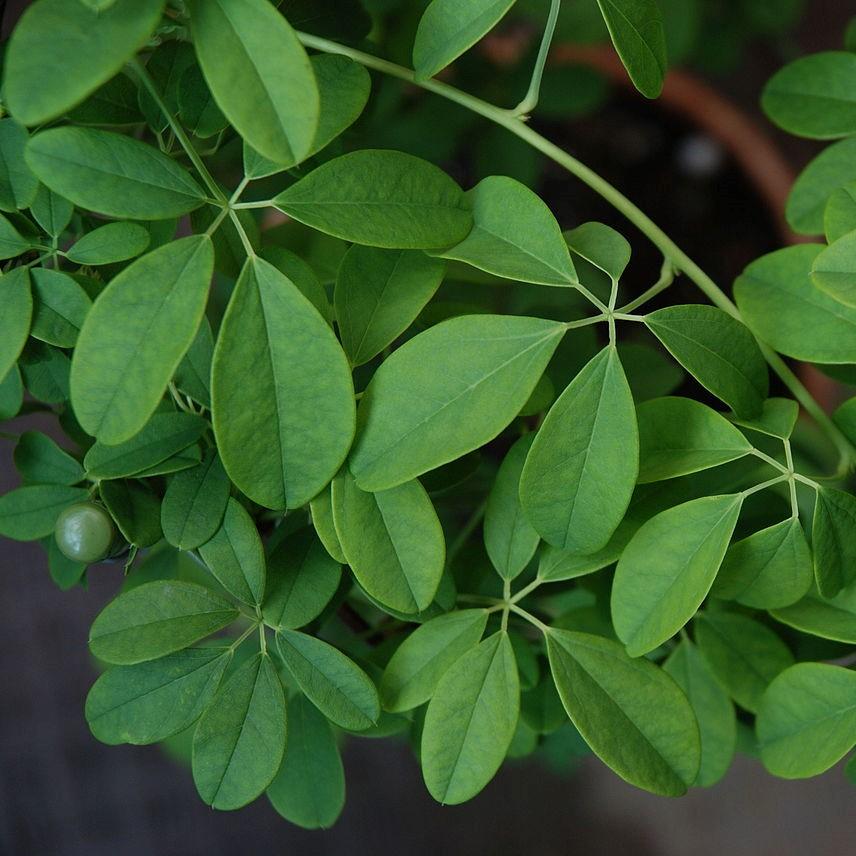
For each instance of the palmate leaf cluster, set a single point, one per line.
(410, 463)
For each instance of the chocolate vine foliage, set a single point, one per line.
(412, 464)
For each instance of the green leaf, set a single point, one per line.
(767, 570)
(636, 29)
(239, 743)
(829, 618)
(379, 293)
(510, 539)
(183, 460)
(235, 555)
(148, 702)
(813, 96)
(446, 392)
(834, 269)
(717, 350)
(421, 660)
(321, 509)
(193, 375)
(15, 319)
(514, 235)
(833, 540)
(778, 418)
(136, 510)
(303, 276)
(667, 569)
(448, 28)
(807, 720)
(114, 242)
(164, 435)
(285, 435)
(11, 394)
(600, 245)
(135, 336)
(314, 801)
(678, 436)
(336, 685)
(588, 439)
(45, 370)
(18, 185)
(30, 512)
(380, 198)
(744, 654)
(834, 167)
(165, 66)
(781, 305)
(302, 579)
(156, 619)
(95, 44)
(114, 103)
(60, 306)
(470, 721)
(392, 540)
(196, 105)
(631, 713)
(259, 75)
(12, 243)
(40, 460)
(51, 211)
(712, 707)
(112, 174)
(194, 503)
(65, 572)
(839, 215)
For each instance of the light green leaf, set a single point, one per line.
(148, 702)
(834, 167)
(631, 713)
(813, 96)
(112, 174)
(285, 435)
(600, 245)
(771, 568)
(18, 185)
(136, 510)
(470, 721)
(40, 460)
(379, 293)
(194, 503)
(588, 440)
(717, 350)
(712, 707)
(833, 540)
(30, 512)
(807, 720)
(839, 215)
(829, 618)
(834, 269)
(636, 29)
(135, 336)
(744, 654)
(17, 301)
(380, 198)
(235, 555)
(667, 569)
(95, 44)
(392, 540)
(321, 509)
(310, 801)
(114, 242)
(302, 579)
(514, 235)
(510, 539)
(60, 306)
(778, 418)
(239, 743)
(678, 436)
(448, 28)
(164, 435)
(421, 660)
(446, 392)
(156, 619)
(259, 74)
(336, 685)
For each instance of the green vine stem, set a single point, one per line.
(671, 251)
(530, 100)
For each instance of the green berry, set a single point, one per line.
(85, 532)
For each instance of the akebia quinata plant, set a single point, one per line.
(410, 462)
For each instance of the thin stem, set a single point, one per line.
(592, 298)
(264, 203)
(624, 316)
(792, 485)
(526, 590)
(248, 247)
(251, 629)
(530, 100)
(585, 322)
(529, 617)
(482, 600)
(611, 194)
(242, 184)
(806, 480)
(667, 277)
(215, 223)
(771, 461)
(764, 485)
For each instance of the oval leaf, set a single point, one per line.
(105, 245)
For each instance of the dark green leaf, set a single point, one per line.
(833, 540)
(60, 306)
(40, 460)
(15, 319)
(30, 512)
(18, 185)
(136, 510)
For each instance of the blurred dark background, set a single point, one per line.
(64, 794)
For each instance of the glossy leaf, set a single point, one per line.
(30, 512)
(40, 460)
(589, 439)
(833, 540)
(446, 392)
(114, 242)
(135, 336)
(285, 435)
(667, 569)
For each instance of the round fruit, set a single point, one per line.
(85, 532)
